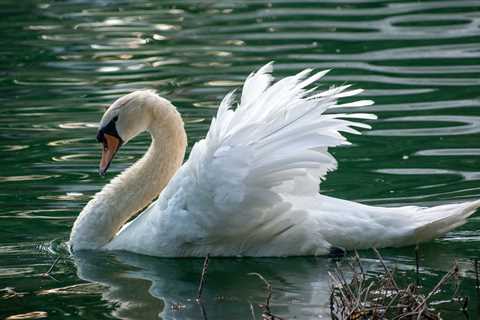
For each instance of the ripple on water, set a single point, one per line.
(439, 51)
(74, 157)
(470, 125)
(419, 106)
(449, 152)
(15, 271)
(82, 289)
(419, 60)
(78, 125)
(42, 214)
(27, 178)
(466, 175)
(69, 196)
(64, 142)
(14, 147)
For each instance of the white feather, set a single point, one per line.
(251, 186)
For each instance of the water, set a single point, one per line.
(62, 62)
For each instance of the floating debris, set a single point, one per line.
(380, 297)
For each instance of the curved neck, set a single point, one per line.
(136, 187)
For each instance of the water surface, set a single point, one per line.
(62, 62)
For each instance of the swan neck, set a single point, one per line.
(136, 187)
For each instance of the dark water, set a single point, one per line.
(61, 62)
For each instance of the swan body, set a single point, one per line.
(250, 187)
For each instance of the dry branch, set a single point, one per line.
(203, 278)
(267, 313)
(381, 297)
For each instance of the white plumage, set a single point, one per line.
(251, 187)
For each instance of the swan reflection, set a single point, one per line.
(143, 287)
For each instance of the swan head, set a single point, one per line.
(124, 119)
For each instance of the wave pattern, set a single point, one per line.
(62, 62)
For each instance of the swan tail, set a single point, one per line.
(441, 219)
(361, 227)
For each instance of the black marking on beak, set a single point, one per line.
(110, 129)
(109, 137)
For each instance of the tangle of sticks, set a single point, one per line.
(371, 298)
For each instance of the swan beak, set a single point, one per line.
(111, 145)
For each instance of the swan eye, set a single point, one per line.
(109, 129)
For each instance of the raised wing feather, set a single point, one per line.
(274, 142)
(250, 188)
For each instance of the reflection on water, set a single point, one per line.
(131, 286)
(143, 287)
(63, 62)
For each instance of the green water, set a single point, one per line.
(61, 62)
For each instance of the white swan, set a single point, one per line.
(250, 188)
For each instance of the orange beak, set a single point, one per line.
(111, 144)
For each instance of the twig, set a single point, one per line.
(357, 285)
(54, 264)
(367, 291)
(332, 304)
(357, 258)
(465, 304)
(381, 297)
(419, 317)
(344, 281)
(340, 285)
(252, 312)
(477, 282)
(417, 265)
(267, 313)
(202, 310)
(387, 271)
(390, 304)
(269, 290)
(203, 279)
(48, 273)
(445, 278)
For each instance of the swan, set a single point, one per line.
(250, 187)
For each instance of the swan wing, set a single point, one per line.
(273, 143)
(251, 187)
